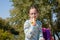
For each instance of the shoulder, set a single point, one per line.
(39, 22)
(26, 22)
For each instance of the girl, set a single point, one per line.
(32, 26)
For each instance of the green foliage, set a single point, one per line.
(4, 30)
(5, 35)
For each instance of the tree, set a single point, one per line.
(6, 30)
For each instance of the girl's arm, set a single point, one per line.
(40, 32)
(28, 30)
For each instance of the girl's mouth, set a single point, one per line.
(34, 16)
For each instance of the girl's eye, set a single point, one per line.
(33, 13)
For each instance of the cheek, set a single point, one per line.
(30, 16)
(36, 15)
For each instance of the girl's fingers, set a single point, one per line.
(33, 22)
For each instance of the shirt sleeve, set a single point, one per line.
(28, 30)
(40, 31)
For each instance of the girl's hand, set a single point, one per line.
(33, 22)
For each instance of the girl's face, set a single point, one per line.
(33, 13)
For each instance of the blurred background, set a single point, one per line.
(13, 14)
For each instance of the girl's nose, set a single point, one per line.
(33, 15)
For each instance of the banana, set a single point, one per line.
(33, 21)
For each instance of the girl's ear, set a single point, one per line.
(28, 14)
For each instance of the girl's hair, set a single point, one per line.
(33, 6)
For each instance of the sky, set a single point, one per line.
(5, 6)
